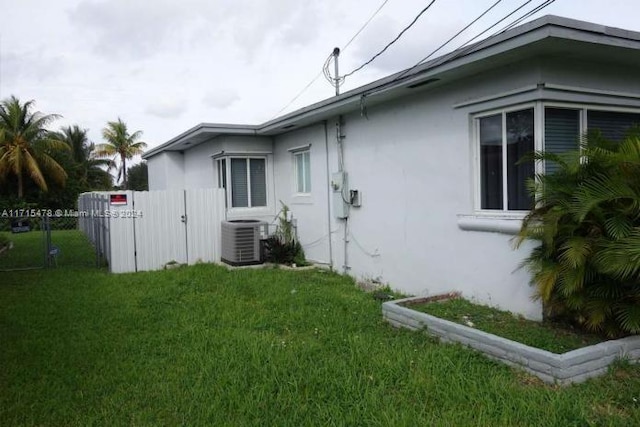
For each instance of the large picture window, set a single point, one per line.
(245, 179)
(506, 137)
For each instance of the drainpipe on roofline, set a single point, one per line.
(326, 148)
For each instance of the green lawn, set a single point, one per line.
(548, 336)
(206, 346)
(29, 250)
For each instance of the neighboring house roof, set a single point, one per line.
(547, 35)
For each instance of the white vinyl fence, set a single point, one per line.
(145, 230)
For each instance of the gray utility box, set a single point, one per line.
(241, 241)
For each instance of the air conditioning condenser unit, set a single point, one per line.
(241, 241)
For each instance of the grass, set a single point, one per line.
(204, 345)
(29, 250)
(552, 337)
(4, 239)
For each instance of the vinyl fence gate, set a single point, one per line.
(146, 230)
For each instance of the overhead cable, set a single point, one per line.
(328, 62)
(392, 41)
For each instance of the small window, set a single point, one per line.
(302, 171)
(248, 180)
(504, 140)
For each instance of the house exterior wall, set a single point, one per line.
(166, 171)
(582, 73)
(201, 169)
(310, 211)
(413, 162)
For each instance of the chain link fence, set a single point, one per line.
(32, 242)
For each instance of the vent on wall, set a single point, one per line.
(241, 241)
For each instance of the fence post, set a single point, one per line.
(46, 223)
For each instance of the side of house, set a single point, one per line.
(434, 160)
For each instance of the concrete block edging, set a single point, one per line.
(571, 367)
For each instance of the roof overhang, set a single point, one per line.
(199, 134)
(546, 36)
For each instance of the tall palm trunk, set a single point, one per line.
(20, 186)
(124, 170)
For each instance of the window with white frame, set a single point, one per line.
(302, 171)
(245, 180)
(506, 137)
(564, 125)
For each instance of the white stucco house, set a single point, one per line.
(432, 193)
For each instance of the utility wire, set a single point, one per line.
(304, 89)
(543, 5)
(328, 62)
(530, 13)
(479, 17)
(408, 70)
(392, 41)
(492, 26)
(463, 51)
(365, 24)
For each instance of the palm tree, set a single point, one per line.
(122, 144)
(586, 268)
(88, 169)
(26, 145)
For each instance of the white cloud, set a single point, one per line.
(34, 65)
(167, 107)
(220, 98)
(125, 28)
(164, 65)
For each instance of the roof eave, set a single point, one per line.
(528, 33)
(212, 129)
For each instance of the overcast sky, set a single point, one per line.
(164, 66)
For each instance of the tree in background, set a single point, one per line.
(120, 145)
(26, 146)
(88, 171)
(138, 179)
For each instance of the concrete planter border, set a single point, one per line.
(571, 367)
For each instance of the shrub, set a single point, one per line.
(283, 247)
(586, 268)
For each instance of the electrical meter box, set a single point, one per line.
(339, 187)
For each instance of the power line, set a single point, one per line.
(365, 24)
(492, 26)
(461, 31)
(298, 95)
(532, 12)
(527, 15)
(328, 61)
(392, 41)
(462, 52)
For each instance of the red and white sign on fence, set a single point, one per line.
(145, 230)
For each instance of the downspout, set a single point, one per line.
(326, 149)
(341, 168)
